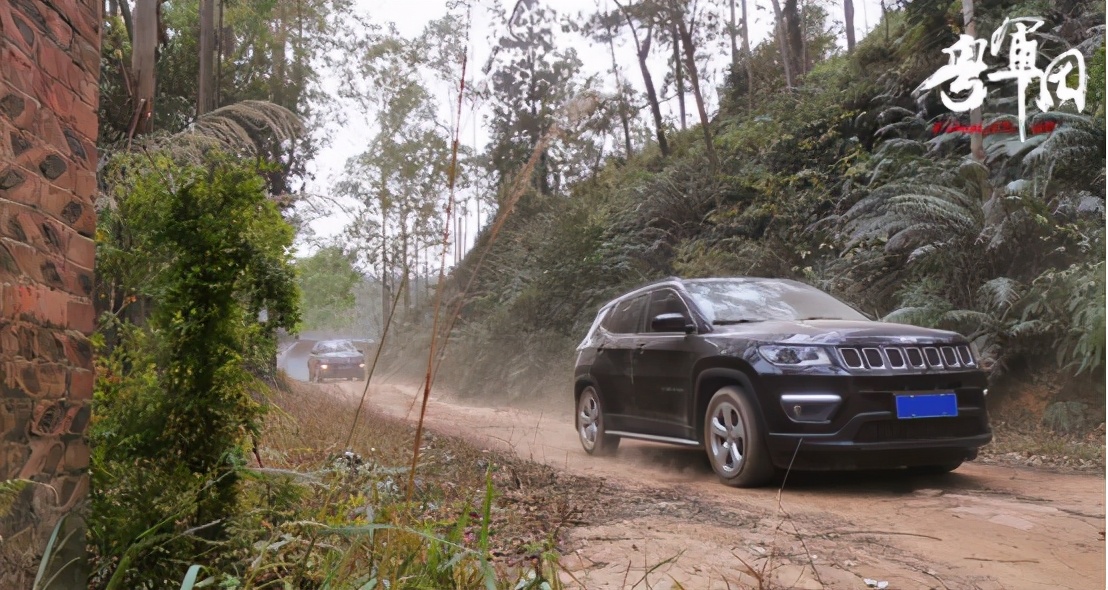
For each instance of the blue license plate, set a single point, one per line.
(927, 405)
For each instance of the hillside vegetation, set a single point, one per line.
(840, 182)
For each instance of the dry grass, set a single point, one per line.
(531, 505)
(1022, 440)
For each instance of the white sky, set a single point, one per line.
(410, 17)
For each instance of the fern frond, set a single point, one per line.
(1000, 293)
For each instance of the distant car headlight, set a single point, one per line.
(794, 356)
(323, 366)
(361, 365)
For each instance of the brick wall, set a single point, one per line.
(49, 72)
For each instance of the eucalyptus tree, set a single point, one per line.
(529, 79)
(637, 19)
(684, 17)
(603, 27)
(400, 180)
(168, 63)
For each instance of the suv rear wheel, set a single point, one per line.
(590, 424)
(735, 440)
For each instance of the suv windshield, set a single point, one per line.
(336, 346)
(726, 301)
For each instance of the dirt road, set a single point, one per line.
(984, 527)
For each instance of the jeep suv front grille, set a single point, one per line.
(904, 358)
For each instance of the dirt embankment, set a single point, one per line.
(659, 517)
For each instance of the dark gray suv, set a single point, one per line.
(765, 374)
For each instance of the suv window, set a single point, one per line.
(625, 316)
(666, 301)
(328, 346)
(590, 336)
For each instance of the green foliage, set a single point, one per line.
(1095, 98)
(206, 252)
(840, 183)
(1071, 301)
(327, 280)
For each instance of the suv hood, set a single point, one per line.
(836, 332)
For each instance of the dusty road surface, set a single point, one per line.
(984, 527)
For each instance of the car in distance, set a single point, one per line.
(770, 374)
(335, 359)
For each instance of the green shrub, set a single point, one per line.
(173, 400)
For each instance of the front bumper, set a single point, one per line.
(864, 431)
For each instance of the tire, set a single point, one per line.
(732, 422)
(590, 425)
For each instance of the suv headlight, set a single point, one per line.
(794, 356)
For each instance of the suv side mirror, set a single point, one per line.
(671, 322)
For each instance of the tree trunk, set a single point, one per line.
(794, 37)
(678, 76)
(732, 34)
(386, 296)
(642, 49)
(226, 45)
(694, 81)
(848, 24)
(624, 120)
(143, 47)
(128, 22)
(405, 265)
(278, 83)
(782, 46)
(749, 60)
(977, 149)
(206, 88)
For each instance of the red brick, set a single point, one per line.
(13, 456)
(26, 377)
(81, 315)
(76, 456)
(76, 349)
(81, 383)
(17, 70)
(41, 303)
(61, 32)
(26, 258)
(81, 251)
(8, 23)
(53, 199)
(27, 117)
(54, 62)
(52, 379)
(87, 56)
(84, 19)
(84, 185)
(9, 342)
(83, 118)
(48, 127)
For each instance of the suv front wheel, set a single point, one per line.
(735, 440)
(590, 424)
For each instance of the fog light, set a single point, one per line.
(810, 407)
